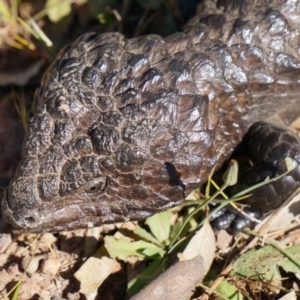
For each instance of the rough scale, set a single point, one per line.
(123, 128)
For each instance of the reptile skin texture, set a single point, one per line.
(267, 146)
(123, 128)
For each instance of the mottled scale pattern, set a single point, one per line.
(123, 128)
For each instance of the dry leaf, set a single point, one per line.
(290, 296)
(203, 243)
(93, 272)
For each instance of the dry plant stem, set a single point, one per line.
(20, 106)
(262, 231)
(247, 216)
(210, 180)
(175, 283)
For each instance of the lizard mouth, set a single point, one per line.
(17, 218)
(47, 219)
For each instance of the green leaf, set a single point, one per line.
(152, 252)
(177, 227)
(160, 226)
(58, 9)
(144, 234)
(229, 291)
(264, 263)
(148, 274)
(123, 248)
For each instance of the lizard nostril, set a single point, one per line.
(30, 220)
(93, 189)
(95, 185)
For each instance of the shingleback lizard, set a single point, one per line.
(123, 128)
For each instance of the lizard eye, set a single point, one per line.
(95, 185)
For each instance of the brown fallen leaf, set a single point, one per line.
(93, 272)
(203, 243)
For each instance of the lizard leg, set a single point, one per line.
(268, 147)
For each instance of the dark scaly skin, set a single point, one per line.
(124, 128)
(268, 146)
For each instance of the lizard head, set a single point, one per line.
(107, 142)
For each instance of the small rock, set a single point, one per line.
(50, 266)
(30, 264)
